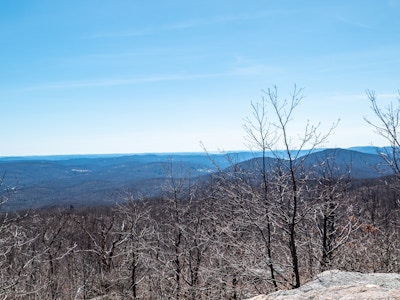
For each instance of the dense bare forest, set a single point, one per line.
(241, 232)
(224, 240)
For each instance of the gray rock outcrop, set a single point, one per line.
(336, 284)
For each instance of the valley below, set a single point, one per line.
(90, 180)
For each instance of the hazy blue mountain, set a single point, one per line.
(327, 162)
(84, 180)
(346, 161)
(105, 179)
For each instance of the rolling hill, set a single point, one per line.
(101, 180)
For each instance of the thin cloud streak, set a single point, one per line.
(251, 70)
(120, 82)
(180, 25)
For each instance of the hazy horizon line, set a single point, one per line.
(176, 152)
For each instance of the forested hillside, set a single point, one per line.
(223, 239)
(43, 182)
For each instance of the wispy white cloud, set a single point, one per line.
(358, 61)
(186, 24)
(244, 66)
(243, 70)
(353, 22)
(360, 98)
(255, 69)
(143, 54)
(108, 82)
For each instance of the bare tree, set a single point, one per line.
(330, 197)
(386, 209)
(270, 131)
(260, 137)
(137, 230)
(16, 259)
(387, 125)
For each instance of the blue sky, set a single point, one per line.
(123, 76)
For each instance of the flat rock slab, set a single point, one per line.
(336, 284)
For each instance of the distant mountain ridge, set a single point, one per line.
(347, 161)
(336, 161)
(241, 154)
(105, 179)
